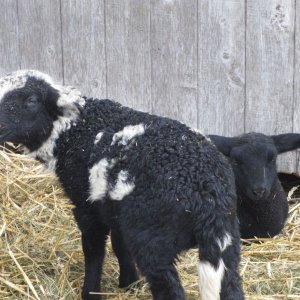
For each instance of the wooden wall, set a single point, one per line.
(223, 66)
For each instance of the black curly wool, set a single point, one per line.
(265, 219)
(183, 195)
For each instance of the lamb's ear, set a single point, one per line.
(286, 142)
(224, 144)
(70, 101)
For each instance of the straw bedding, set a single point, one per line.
(41, 257)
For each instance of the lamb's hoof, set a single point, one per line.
(128, 278)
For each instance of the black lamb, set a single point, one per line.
(159, 187)
(262, 203)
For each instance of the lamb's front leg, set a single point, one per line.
(128, 273)
(94, 235)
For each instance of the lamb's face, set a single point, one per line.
(254, 166)
(28, 108)
(253, 158)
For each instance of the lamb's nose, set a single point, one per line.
(259, 192)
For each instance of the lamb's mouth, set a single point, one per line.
(257, 200)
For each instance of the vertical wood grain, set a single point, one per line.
(83, 36)
(174, 59)
(221, 55)
(183, 59)
(9, 52)
(269, 70)
(128, 52)
(40, 36)
(296, 123)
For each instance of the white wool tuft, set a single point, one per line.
(127, 133)
(123, 187)
(210, 280)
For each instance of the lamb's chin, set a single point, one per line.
(258, 201)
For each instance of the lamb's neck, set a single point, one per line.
(46, 152)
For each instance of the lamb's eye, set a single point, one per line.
(31, 102)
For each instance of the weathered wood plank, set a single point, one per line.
(9, 42)
(221, 55)
(128, 52)
(40, 36)
(174, 59)
(83, 34)
(296, 123)
(269, 70)
(153, 51)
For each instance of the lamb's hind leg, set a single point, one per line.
(128, 273)
(155, 258)
(231, 284)
(218, 266)
(164, 283)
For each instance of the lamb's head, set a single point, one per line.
(253, 158)
(31, 105)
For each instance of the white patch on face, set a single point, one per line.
(122, 187)
(98, 137)
(18, 80)
(10, 83)
(210, 280)
(98, 179)
(129, 132)
(69, 100)
(225, 242)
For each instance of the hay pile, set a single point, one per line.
(41, 257)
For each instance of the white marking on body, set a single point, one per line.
(210, 280)
(225, 242)
(98, 179)
(69, 100)
(45, 152)
(123, 187)
(127, 133)
(264, 173)
(98, 137)
(197, 131)
(208, 138)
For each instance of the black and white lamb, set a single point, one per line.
(262, 203)
(159, 187)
